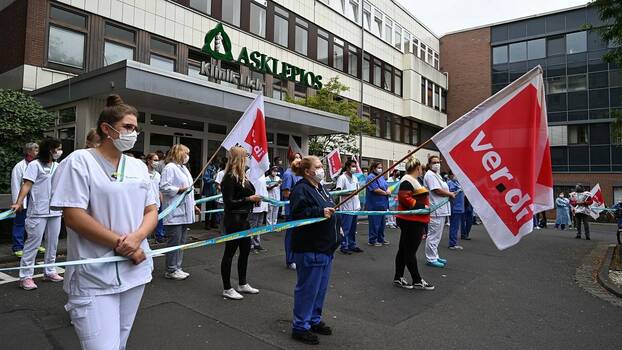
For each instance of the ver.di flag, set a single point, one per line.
(250, 133)
(500, 153)
(598, 202)
(292, 148)
(334, 163)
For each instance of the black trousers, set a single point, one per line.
(410, 239)
(580, 217)
(234, 223)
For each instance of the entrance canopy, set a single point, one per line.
(142, 85)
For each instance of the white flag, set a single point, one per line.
(293, 148)
(250, 132)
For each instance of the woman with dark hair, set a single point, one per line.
(377, 197)
(109, 208)
(439, 192)
(314, 247)
(41, 219)
(347, 181)
(239, 197)
(152, 163)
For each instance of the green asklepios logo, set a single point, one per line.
(218, 46)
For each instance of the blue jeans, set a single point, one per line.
(289, 254)
(159, 232)
(313, 270)
(19, 230)
(348, 225)
(467, 222)
(376, 226)
(455, 222)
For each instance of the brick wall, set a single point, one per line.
(35, 32)
(13, 28)
(466, 56)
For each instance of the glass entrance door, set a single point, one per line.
(164, 142)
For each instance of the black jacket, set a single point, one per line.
(235, 195)
(307, 201)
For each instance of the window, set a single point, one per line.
(353, 60)
(518, 52)
(416, 47)
(300, 91)
(599, 80)
(366, 65)
(576, 42)
(377, 27)
(66, 38)
(377, 73)
(352, 10)
(398, 82)
(558, 135)
(388, 29)
(119, 44)
(577, 82)
(430, 97)
(301, 36)
(422, 51)
(423, 91)
(536, 49)
(555, 46)
(397, 38)
(388, 75)
(322, 46)
(258, 20)
(387, 126)
(414, 133)
(367, 15)
(443, 100)
(436, 60)
(277, 89)
(397, 128)
(500, 54)
(595, 41)
(577, 134)
(338, 54)
(615, 78)
(162, 54)
(195, 71)
(406, 41)
(599, 98)
(204, 6)
(280, 26)
(600, 134)
(338, 5)
(437, 97)
(231, 12)
(430, 56)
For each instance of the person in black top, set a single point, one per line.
(239, 197)
(314, 246)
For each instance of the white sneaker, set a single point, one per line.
(456, 247)
(292, 266)
(232, 294)
(177, 275)
(184, 273)
(246, 288)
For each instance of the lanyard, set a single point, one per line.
(120, 175)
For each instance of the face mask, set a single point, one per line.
(29, 158)
(125, 142)
(353, 170)
(561, 196)
(57, 154)
(319, 175)
(274, 174)
(379, 171)
(186, 159)
(436, 167)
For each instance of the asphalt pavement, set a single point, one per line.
(526, 297)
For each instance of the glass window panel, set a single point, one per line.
(338, 57)
(595, 41)
(430, 56)
(577, 82)
(555, 70)
(367, 15)
(616, 97)
(416, 47)
(597, 65)
(599, 113)
(499, 33)
(258, 20)
(388, 29)
(599, 98)
(377, 74)
(499, 78)
(422, 51)
(322, 49)
(576, 42)
(280, 30)
(500, 54)
(179, 123)
(577, 134)
(67, 138)
(68, 17)
(536, 49)
(430, 96)
(556, 102)
(600, 155)
(578, 115)
(387, 77)
(115, 32)
(202, 5)
(556, 85)
(615, 78)
(387, 127)
(301, 40)
(398, 83)
(407, 42)
(397, 38)
(577, 63)
(161, 62)
(366, 65)
(423, 91)
(437, 97)
(599, 80)
(338, 5)
(353, 59)
(377, 27)
(352, 10)
(66, 47)
(114, 53)
(67, 115)
(231, 12)
(600, 134)
(575, 19)
(555, 23)
(161, 46)
(556, 117)
(517, 30)
(577, 100)
(555, 46)
(536, 26)
(559, 155)
(518, 52)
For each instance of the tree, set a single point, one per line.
(22, 119)
(328, 99)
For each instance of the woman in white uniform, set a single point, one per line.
(40, 218)
(175, 180)
(109, 209)
(153, 161)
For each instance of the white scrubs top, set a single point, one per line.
(117, 200)
(219, 175)
(433, 181)
(346, 182)
(174, 177)
(41, 191)
(155, 185)
(261, 189)
(275, 192)
(17, 177)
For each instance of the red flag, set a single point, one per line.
(334, 163)
(500, 153)
(293, 148)
(598, 202)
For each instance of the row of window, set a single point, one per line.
(579, 82)
(586, 158)
(396, 128)
(384, 28)
(577, 134)
(583, 100)
(433, 96)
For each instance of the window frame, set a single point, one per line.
(69, 27)
(120, 42)
(304, 25)
(162, 53)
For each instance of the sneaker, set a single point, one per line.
(53, 277)
(466, 238)
(356, 250)
(423, 285)
(442, 261)
(386, 243)
(176, 275)
(184, 273)
(587, 238)
(41, 250)
(321, 328)
(306, 337)
(246, 288)
(435, 264)
(345, 252)
(18, 253)
(371, 244)
(232, 294)
(260, 248)
(378, 244)
(456, 247)
(292, 266)
(538, 228)
(402, 283)
(27, 284)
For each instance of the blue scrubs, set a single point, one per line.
(18, 230)
(457, 212)
(376, 202)
(289, 180)
(313, 270)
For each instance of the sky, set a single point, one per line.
(444, 16)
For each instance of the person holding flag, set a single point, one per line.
(377, 199)
(439, 192)
(347, 181)
(581, 201)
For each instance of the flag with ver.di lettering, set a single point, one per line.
(334, 163)
(598, 202)
(250, 132)
(499, 151)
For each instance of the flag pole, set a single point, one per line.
(206, 165)
(382, 174)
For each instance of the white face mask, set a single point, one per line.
(353, 170)
(379, 171)
(125, 142)
(186, 159)
(274, 174)
(436, 167)
(57, 154)
(319, 175)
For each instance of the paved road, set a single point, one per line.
(522, 298)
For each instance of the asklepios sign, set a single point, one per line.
(500, 153)
(218, 46)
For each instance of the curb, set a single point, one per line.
(603, 274)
